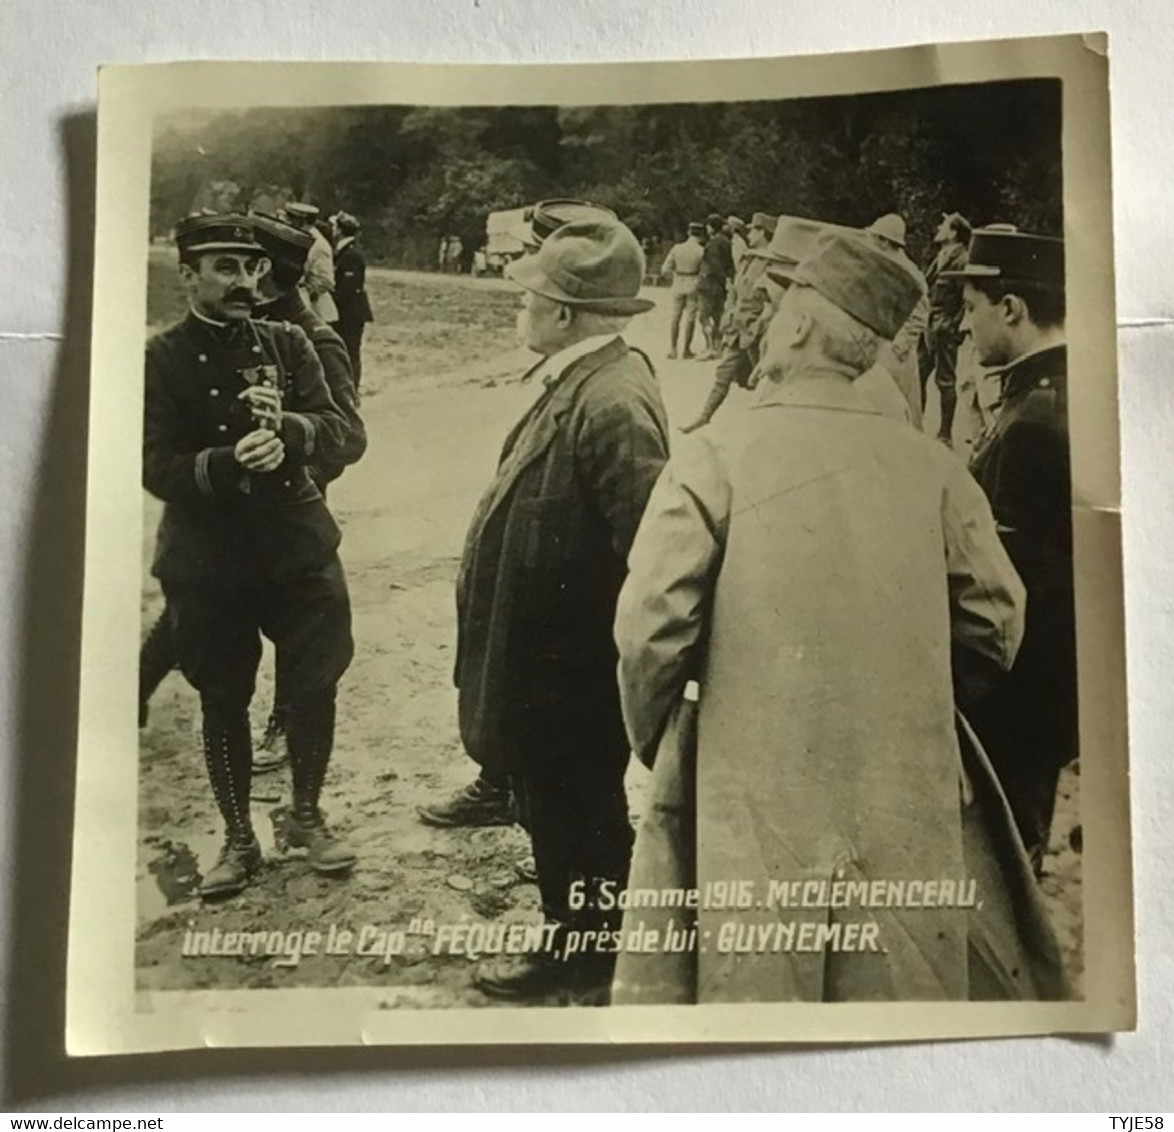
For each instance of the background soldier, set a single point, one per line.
(744, 322)
(717, 269)
(683, 266)
(235, 410)
(319, 276)
(287, 249)
(350, 292)
(739, 241)
(899, 357)
(939, 350)
(1014, 311)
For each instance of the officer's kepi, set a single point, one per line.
(282, 243)
(228, 232)
(1001, 252)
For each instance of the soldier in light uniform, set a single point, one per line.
(319, 277)
(236, 411)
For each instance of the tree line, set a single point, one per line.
(415, 174)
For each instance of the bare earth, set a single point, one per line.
(441, 389)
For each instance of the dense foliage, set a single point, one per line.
(413, 175)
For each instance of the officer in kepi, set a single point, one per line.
(1014, 310)
(235, 412)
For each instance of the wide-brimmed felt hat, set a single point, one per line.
(1002, 252)
(216, 232)
(873, 286)
(283, 243)
(889, 227)
(596, 265)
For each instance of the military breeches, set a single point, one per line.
(351, 334)
(683, 304)
(217, 632)
(937, 354)
(576, 812)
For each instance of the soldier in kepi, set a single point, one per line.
(282, 301)
(350, 292)
(236, 411)
(1014, 308)
(318, 281)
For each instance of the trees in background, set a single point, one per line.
(416, 174)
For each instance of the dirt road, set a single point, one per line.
(440, 391)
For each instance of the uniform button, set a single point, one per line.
(222, 428)
(1044, 383)
(288, 483)
(213, 392)
(256, 349)
(203, 357)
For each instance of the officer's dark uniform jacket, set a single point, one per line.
(224, 526)
(336, 363)
(350, 285)
(1030, 719)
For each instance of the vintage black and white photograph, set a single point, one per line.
(614, 553)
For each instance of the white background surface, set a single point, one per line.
(50, 51)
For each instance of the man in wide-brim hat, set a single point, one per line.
(543, 563)
(487, 800)
(830, 579)
(899, 357)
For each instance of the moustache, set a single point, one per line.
(241, 295)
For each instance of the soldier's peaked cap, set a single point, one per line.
(223, 232)
(303, 210)
(282, 242)
(849, 270)
(1004, 253)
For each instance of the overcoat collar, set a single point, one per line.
(818, 389)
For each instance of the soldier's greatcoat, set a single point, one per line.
(816, 573)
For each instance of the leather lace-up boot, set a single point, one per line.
(228, 754)
(311, 742)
